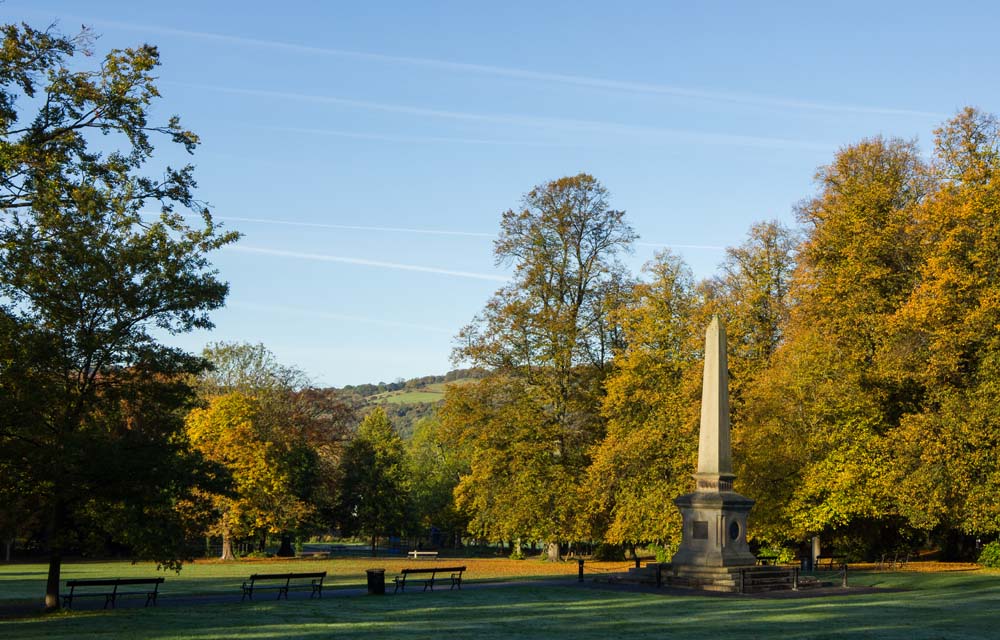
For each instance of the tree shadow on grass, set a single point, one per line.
(944, 609)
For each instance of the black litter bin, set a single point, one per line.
(376, 581)
(807, 564)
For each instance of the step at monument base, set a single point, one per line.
(754, 579)
(705, 578)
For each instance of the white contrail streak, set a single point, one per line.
(613, 128)
(708, 247)
(410, 139)
(343, 227)
(432, 232)
(351, 227)
(319, 257)
(334, 316)
(526, 74)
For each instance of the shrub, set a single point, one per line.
(990, 555)
(664, 553)
(783, 554)
(609, 552)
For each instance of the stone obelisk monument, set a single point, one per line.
(714, 536)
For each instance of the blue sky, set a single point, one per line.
(367, 149)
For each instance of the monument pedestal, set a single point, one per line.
(714, 531)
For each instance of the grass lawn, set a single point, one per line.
(929, 605)
(19, 582)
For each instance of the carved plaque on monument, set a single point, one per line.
(699, 530)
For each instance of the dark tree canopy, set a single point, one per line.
(374, 488)
(92, 401)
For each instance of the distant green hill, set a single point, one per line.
(406, 401)
(430, 393)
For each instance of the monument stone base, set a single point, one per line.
(713, 532)
(706, 578)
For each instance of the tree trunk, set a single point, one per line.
(552, 552)
(55, 544)
(374, 541)
(52, 583)
(10, 547)
(227, 546)
(286, 550)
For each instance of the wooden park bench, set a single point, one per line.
(770, 578)
(284, 582)
(452, 575)
(830, 562)
(897, 561)
(416, 555)
(108, 588)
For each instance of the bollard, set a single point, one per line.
(795, 579)
(579, 567)
(844, 582)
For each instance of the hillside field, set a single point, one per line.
(432, 393)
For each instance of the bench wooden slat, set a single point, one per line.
(454, 576)
(111, 597)
(830, 561)
(315, 583)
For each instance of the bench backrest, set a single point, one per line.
(287, 576)
(111, 582)
(434, 570)
(141, 581)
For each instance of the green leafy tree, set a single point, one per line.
(813, 425)
(944, 340)
(753, 294)
(550, 334)
(304, 429)
(517, 485)
(232, 431)
(649, 453)
(250, 369)
(435, 466)
(374, 487)
(92, 401)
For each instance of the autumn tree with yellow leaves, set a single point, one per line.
(548, 338)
